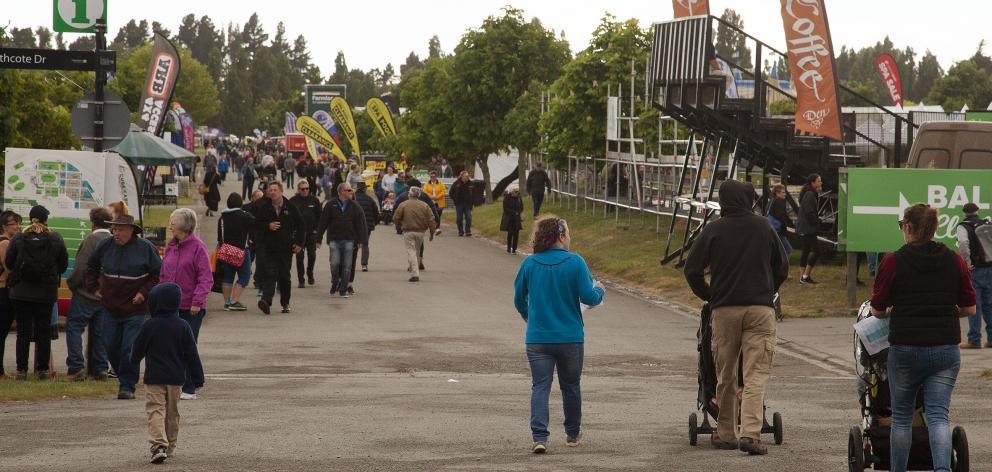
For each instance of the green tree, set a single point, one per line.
(965, 84)
(928, 74)
(521, 127)
(237, 99)
(21, 38)
(576, 121)
(44, 37)
(730, 43)
(412, 64)
(434, 47)
(83, 43)
(131, 36)
(491, 68)
(196, 90)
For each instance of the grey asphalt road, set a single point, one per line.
(432, 376)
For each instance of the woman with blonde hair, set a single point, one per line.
(36, 257)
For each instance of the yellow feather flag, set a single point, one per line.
(312, 148)
(380, 115)
(341, 112)
(314, 131)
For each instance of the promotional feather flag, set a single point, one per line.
(310, 128)
(376, 110)
(341, 112)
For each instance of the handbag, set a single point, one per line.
(229, 253)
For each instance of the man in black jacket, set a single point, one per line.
(309, 207)
(371, 210)
(537, 181)
(281, 233)
(747, 264)
(462, 194)
(344, 223)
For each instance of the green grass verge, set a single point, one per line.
(629, 253)
(60, 388)
(157, 217)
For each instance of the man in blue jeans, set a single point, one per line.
(980, 263)
(343, 220)
(85, 308)
(549, 290)
(462, 194)
(121, 272)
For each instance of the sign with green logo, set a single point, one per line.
(319, 96)
(78, 16)
(872, 202)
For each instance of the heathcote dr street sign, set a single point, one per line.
(50, 59)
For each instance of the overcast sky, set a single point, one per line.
(355, 26)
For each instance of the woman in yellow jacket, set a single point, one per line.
(435, 189)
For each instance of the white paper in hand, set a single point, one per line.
(873, 333)
(584, 307)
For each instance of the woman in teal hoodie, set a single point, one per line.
(550, 288)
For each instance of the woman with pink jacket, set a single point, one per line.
(187, 264)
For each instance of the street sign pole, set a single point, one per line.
(101, 78)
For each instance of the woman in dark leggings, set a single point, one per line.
(809, 225)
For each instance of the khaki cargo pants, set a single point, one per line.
(414, 241)
(749, 330)
(162, 407)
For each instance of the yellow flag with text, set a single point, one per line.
(341, 112)
(314, 131)
(380, 115)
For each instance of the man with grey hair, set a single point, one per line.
(343, 220)
(413, 217)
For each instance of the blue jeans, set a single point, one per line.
(194, 323)
(118, 337)
(81, 315)
(981, 279)
(463, 218)
(342, 253)
(786, 244)
(243, 273)
(543, 359)
(935, 369)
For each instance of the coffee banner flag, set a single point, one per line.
(889, 72)
(163, 73)
(313, 131)
(684, 8)
(341, 112)
(379, 113)
(811, 61)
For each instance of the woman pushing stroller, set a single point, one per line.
(923, 288)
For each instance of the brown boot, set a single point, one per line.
(753, 447)
(967, 345)
(721, 444)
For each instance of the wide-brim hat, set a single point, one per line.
(127, 220)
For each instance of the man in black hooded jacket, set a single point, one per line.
(747, 264)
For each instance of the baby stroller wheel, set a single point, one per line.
(855, 450)
(692, 429)
(777, 427)
(959, 447)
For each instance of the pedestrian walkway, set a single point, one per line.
(433, 376)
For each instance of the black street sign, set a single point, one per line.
(51, 59)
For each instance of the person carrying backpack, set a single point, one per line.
(37, 257)
(974, 234)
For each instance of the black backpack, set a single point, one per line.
(36, 260)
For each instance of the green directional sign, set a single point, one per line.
(78, 16)
(872, 202)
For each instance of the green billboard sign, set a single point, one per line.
(319, 96)
(872, 202)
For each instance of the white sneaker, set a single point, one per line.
(187, 396)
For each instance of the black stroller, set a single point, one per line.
(868, 445)
(706, 399)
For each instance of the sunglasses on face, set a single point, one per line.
(902, 223)
(347, 190)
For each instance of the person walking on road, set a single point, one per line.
(389, 180)
(551, 286)
(537, 182)
(11, 222)
(972, 251)
(211, 189)
(343, 222)
(248, 176)
(288, 168)
(923, 288)
(187, 264)
(779, 216)
(309, 207)
(223, 166)
(281, 233)
(37, 257)
(85, 310)
(809, 227)
(371, 210)
(413, 217)
(234, 227)
(747, 264)
(436, 190)
(168, 345)
(121, 272)
(513, 208)
(462, 193)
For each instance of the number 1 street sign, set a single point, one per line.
(78, 16)
(872, 202)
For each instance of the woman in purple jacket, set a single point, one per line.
(187, 264)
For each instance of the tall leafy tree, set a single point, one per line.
(730, 43)
(521, 127)
(966, 83)
(411, 65)
(44, 37)
(21, 38)
(928, 74)
(131, 36)
(237, 99)
(434, 47)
